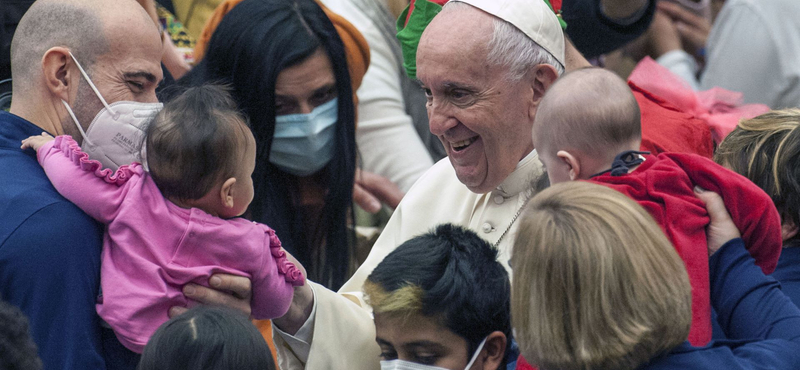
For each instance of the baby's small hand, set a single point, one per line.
(36, 142)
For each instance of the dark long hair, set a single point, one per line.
(207, 338)
(251, 46)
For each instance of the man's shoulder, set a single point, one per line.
(30, 203)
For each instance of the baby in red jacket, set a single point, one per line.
(587, 127)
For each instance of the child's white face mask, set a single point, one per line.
(114, 135)
(408, 365)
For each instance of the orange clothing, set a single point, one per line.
(265, 327)
(356, 47)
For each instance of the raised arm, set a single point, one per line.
(98, 192)
(751, 209)
(273, 284)
(749, 304)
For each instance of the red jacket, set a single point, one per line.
(663, 186)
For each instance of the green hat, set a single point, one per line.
(410, 28)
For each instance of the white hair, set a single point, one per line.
(513, 49)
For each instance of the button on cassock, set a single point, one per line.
(498, 199)
(487, 228)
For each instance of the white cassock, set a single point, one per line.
(341, 334)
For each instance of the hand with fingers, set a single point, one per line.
(663, 35)
(225, 290)
(370, 190)
(721, 229)
(36, 142)
(692, 27)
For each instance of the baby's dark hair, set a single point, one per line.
(196, 141)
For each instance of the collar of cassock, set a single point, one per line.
(528, 169)
(419, 14)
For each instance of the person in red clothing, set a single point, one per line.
(588, 127)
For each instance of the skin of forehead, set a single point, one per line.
(461, 34)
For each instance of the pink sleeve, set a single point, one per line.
(98, 192)
(273, 286)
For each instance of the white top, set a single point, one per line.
(437, 198)
(753, 48)
(387, 141)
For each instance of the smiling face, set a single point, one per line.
(482, 119)
(129, 71)
(421, 340)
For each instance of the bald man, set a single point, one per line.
(50, 249)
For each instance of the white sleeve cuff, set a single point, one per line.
(300, 343)
(682, 65)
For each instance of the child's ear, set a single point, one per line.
(226, 192)
(572, 162)
(494, 350)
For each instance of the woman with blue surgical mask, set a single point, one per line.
(287, 68)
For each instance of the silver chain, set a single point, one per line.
(519, 211)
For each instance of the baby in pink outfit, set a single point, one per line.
(176, 223)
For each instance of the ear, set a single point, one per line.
(57, 72)
(541, 77)
(226, 192)
(788, 228)
(493, 351)
(573, 163)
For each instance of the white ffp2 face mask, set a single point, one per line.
(114, 135)
(408, 365)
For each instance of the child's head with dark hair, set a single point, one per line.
(200, 152)
(17, 350)
(442, 299)
(207, 338)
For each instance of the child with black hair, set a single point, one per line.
(441, 301)
(177, 222)
(207, 338)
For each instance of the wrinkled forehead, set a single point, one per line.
(455, 45)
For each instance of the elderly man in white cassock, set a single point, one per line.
(484, 66)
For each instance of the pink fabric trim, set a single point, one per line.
(73, 151)
(721, 109)
(289, 271)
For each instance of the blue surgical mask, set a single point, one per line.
(304, 143)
